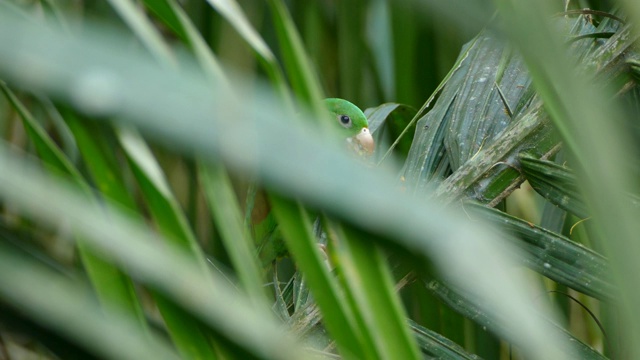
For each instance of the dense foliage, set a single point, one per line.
(168, 188)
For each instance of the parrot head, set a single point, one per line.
(351, 122)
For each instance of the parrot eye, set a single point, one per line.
(345, 120)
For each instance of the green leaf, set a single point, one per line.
(478, 112)
(350, 48)
(152, 259)
(229, 221)
(106, 172)
(303, 79)
(369, 283)
(166, 12)
(486, 171)
(232, 12)
(439, 347)
(164, 208)
(471, 310)
(577, 106)
(172, 14)
(51, 155)
(387, 122)
(67, 306)
(143, 28)
(172, 222)
(296, 230)
(478, 135)
(555, 183)
(405, 39)
(555, 256)
(113, 287)
(427, 160)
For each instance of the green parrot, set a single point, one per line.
(351, 124)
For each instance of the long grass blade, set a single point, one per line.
(174, 16)
(167, 268)
(340, 322)
(184, 330)
(114, 288)
(143, 28)
(602, 149)
(63, 304)
(304, 81)
(229, 220)
(233, 13)
(369, 281)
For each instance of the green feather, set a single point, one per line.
(339, 108)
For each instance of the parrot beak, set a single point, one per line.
(365, 140)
